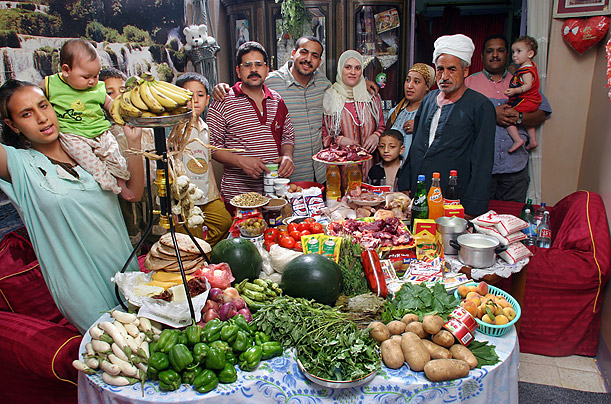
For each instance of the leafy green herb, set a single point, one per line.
(420, 300)
(484, 352)
(351, 264)
(329, 344)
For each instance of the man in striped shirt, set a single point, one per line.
(253, 118)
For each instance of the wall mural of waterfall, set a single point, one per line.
(134, 36)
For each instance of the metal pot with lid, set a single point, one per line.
(450, 228)
(477, 250)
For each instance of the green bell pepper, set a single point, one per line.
(241, 322)
(271, 349)
(206, 381)
(229, 332)
(169, 380)
(222, 345)
(242, 342)
(180, 357)
(215, 359)
(182, 338)
(193, 333)
(200, 351)
(167, 339)
(212, 331)
(152, 373)
(153, 348)
(228, 374)
(188, 376)
(159, 361)
(261, 337)
(231, 358)
(250, 358)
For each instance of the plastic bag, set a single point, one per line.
(218, 275)
(280, 256)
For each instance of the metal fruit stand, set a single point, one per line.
(159, 125)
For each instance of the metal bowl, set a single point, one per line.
(333, 384)
(158, 121)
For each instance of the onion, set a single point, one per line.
(211, 314)
(230, 294)
(239, 303)
(246, 313)
(227, 311)
(216, 294)
(211, 304)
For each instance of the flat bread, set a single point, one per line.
(156, 253)
(185, 243)
(154, 264)
(173, 266)
(169, 251)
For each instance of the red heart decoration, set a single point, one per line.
(583, 33)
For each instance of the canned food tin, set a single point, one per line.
(459, 330)
(464, 317)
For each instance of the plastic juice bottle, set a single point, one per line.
(354, 177)
(420, 207)
(450, 197)
(334, 184)
(435, 198)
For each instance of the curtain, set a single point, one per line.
(539, 19)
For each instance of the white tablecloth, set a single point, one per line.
(279, 381)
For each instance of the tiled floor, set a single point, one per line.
(572, 372)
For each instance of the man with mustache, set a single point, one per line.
(453, 130)
(252, 118)
(510, 170)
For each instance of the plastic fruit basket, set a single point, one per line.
(493, 329)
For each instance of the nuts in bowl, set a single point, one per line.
(252, 227)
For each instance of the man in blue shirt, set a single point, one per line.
(510, 170)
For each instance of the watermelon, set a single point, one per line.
(312, 276)
(241, 255)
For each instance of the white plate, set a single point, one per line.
(249, 207)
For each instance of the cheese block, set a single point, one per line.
(166, 280)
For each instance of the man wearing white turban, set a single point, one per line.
(453, 129)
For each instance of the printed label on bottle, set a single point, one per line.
(451, 201)
(436, 196)
(545, 233)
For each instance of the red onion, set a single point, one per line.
(230, 294)
(239, 303)
(227, 311)
(211, 314)
(216, 294)
(211, 304)
(246, 313)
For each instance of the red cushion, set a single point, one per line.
(22, 286)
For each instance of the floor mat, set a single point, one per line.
(532, 393)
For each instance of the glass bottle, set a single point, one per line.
(450, 197)
(529, 206)
(420, 206)
(435, 199)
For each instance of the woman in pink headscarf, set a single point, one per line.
(351, 114)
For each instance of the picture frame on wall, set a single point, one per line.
(581, 8)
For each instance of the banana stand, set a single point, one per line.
(158, 124)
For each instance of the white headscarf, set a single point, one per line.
(337, 95)
(457, 45)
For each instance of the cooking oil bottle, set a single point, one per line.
(334, 185)
(354, 177)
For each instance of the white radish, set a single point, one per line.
(114, 332)
(119, 325)
(100, 346)
(82, 367)
(132, 329)
(110, 368)
(145, 325)
(95, 332)
(119, 352)
(118, 380)
(126, 368)
(125, 318)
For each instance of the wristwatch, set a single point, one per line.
(520, 116)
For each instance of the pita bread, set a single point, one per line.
(185, 243)
(173, 266)
(155, 252)
(155, 264)
(169, 251)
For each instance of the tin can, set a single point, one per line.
(464, 317)
(273, 170)
(459, 330)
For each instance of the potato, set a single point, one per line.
(436, 351)
(443, 338)
(396, 339)
(441, 321)
(416, 328)
(441, 370)
(463, 353)
(431, 324)
(415, 353)
(396, 327)
(392, 355)
(408, 318)
(379, 331)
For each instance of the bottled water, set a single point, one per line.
(531, 230)
(544, 233)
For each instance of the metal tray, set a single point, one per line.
(333, 384)
(158, 121)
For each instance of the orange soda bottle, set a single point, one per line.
(435, 198)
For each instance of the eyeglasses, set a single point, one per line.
(257, 63)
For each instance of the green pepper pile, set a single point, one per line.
(205, 357)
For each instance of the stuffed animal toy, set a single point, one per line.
(197, 35)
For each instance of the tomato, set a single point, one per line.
(268, 243)
(304, 233)
(282, 234)
(303, 226)
(295, 234)
(292, 227)
(287, 242)
(270, 234)
(309, 220)
(298, 246)
(315, 228)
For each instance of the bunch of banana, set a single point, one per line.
(148, 97)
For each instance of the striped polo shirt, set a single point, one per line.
(237, 123)
(305, 108)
